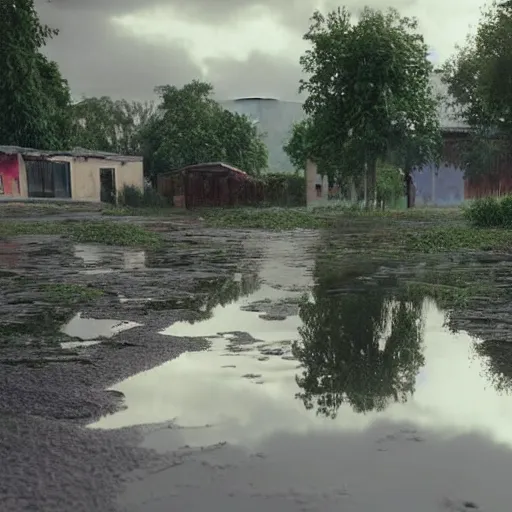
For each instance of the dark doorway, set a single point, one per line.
(108, 186)
(48, 179)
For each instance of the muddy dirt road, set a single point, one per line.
(232, 370)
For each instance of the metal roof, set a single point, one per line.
(74, 153)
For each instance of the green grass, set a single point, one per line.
(154, 211)
(62, 293)
(454, 238)
(317, 217)
(102, 232)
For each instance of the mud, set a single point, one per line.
(241, 370)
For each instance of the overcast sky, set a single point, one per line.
(243, 47)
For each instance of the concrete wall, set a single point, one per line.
(9, 176)
(443, 186)
(85, 176)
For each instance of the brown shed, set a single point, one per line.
(209, 184)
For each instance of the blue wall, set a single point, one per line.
(442, 188)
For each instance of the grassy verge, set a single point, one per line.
(319, 217)
(127, 211)
(103, 232)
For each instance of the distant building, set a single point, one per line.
(274, 118)
(77, 174)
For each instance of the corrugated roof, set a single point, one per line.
(75, 153)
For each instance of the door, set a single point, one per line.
(108, 192)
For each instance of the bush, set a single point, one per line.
(390, 184)
(134, 197)
(284, 189)
(490, 212)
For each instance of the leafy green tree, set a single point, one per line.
(302, 146)
(108, 125)
(479, 78)
(34, 98)
(190, 127)
(369, 93)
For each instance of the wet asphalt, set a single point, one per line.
(203, 403)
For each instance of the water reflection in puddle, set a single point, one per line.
(88, 329)
(103, 260)
(209, 388)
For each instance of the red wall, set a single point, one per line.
(10, 175)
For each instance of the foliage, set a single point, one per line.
(64, 293)
(479, 77)
(390, 183)
(190, 128)
(134, 197)
(302, 146)
(104, 124)
(284, 189)
(369, 93)
(34, 98)
(108, 233)
(490, 212)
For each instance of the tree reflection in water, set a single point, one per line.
(361, 348)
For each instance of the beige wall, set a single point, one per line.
(85, 176)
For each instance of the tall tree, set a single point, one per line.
(479, 78)
(369, 92)
(34, 98)
(190, 127)
(110, 125)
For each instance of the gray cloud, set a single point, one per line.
(259, 75)
(98, 58)
(291, 12)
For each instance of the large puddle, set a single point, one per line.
(318, 395)
(242, 390)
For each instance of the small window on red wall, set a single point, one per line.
(1, 185)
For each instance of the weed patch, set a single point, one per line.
(103, 232)
(61, 293)
(453, 238)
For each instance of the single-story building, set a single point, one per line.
(209, 184)
(78, 174)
